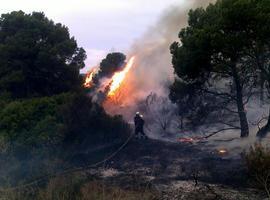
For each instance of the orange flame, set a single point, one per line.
(89, 78)
(119, 77)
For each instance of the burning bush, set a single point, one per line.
(258, 164)
(105, 81)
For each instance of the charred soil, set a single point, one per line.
(173, 170)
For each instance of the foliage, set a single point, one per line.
(87, 122)
(50, 121)
(37, 56)
(257, 161)
(113, 62)
(33, 122)
(213, 57)
(38, 135)
(109, 65)
(45, 117)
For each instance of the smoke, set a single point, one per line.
(153, 65)
(100, 82)
(153, 71)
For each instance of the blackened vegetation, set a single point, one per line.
(159, 113)
(48, 125)
(170, 162)
(221, 61)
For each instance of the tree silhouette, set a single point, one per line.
(37, 56)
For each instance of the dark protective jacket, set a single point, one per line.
(139, 122)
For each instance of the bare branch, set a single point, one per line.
(219, 94)
(221, 130)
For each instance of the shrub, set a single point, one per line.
(51, 121)
(77, 188)
(32, 123)
(87, 123)
(257, 160)
(38, 135)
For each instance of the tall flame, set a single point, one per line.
(89, 78)
(119, 77)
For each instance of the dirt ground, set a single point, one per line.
(176, 171)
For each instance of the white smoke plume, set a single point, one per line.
(153, 67)
(153, 71)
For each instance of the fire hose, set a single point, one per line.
(68, 171)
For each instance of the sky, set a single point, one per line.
(99, 26)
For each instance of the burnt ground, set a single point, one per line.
(175, 170)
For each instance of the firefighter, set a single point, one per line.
(139, 123)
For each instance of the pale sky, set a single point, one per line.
(99, 26)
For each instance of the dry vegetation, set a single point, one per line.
(258, 165)
(75, 187)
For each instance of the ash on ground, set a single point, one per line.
(176, 171)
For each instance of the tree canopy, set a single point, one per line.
(37, 56)
(112, 63)
(213, 57)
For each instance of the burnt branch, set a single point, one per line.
(224, 94)
(221, 130)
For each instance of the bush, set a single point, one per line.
(32, 123)
(258, 165)
(38, 135)
(61, 119)
(87, 123)
(78, 188)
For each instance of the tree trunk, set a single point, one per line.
(264, 76)
(261, 89)
(264, 130)
(240, 104)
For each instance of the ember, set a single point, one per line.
(186, 140)
(222, 152)
(190, 140)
